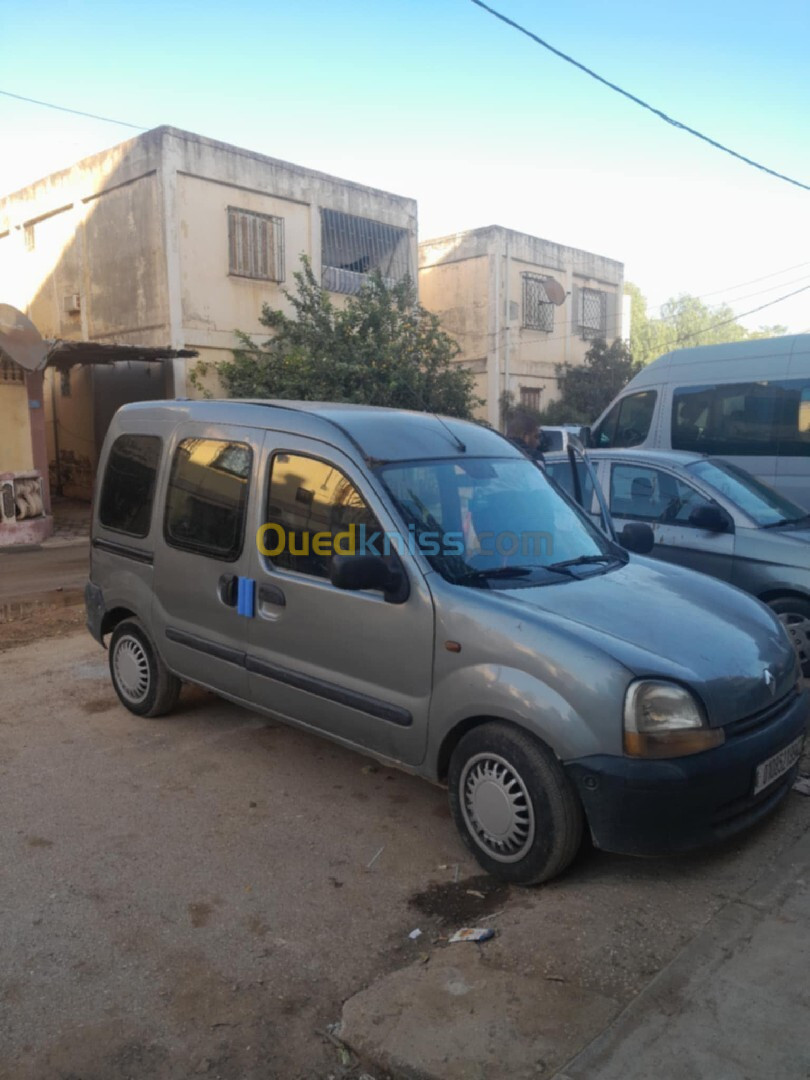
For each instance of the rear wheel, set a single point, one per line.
(513, 805)
(142, 681)
(794, 614)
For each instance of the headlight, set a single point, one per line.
(662, 719)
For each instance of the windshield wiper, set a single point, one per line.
(582, 560)
(787, 521)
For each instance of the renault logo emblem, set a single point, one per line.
(770, 681)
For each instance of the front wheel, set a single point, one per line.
(142, 681)
(794, 614)
(513, 805)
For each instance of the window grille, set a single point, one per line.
(10, 372)
(255, 245)
(538, 311)
(592, 313)
(352, 247)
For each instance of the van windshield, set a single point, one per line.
(495, 523)
(766, 506)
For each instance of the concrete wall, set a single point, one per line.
(474, 282)
(202, 178)
(94, 231)
(15, 432)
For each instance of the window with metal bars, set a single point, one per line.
(10, 372)
(255, 245)
(592, 314)
(538, 311)
(530, 397)
(352, 247)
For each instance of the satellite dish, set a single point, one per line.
(20, 340)
(554, 291)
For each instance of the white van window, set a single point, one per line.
(627, 423)
(207, 497)
(313, 502)
(771, 419)
(129, 484)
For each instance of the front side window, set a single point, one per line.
(641, 493)
(206, 501)
(352, 247)
(128, 490)
(627, 423)
(538, 311)
(313, 512)
(494, 523)
(255, 245)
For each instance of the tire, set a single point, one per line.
(142, 681)
(523, 798)
(794, 614)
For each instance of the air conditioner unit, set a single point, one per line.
(8, 511)
(73, 304)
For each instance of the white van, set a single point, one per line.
(747, 402)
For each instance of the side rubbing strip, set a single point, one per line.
(351, 698)
(127, 552)
(212, 648)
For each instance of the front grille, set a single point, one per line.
(774, 711)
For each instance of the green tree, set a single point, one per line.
(684, 321)
(379, 348)
(587, 389)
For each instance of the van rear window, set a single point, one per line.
(128, 490)
(207, 497)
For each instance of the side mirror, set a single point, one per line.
(637, 537)
(709, 518)
(356, 572)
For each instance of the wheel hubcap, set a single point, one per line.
(798, 628)
(496, 807)
(131, 666)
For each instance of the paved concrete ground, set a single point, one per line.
(734, 1004)
(192, 896)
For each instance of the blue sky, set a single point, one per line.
(442, 102)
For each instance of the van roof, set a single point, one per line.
(709, 362)
(380, 434)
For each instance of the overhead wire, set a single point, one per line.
(74, 112)
(640, 101)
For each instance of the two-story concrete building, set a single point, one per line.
(519, 306)
(177, 240)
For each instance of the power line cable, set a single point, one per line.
(632, 97)
(734, 318)
(75, 112)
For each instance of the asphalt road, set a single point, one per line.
(193, 896)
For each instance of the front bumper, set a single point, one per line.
(639, 807)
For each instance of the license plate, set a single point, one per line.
(777, 765)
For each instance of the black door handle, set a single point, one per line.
(272, 594)
(226, 589)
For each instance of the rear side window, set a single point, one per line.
(561, 472)
(207, 498)
(128, 490)
(759, 418)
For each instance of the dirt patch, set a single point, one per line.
(98, 705)
(199, 914)
(39, 623)
(39, 841)
(461, 902)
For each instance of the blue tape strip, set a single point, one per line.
(245, 596)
